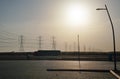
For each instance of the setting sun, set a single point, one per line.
(77, 15)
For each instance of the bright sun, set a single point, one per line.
(77, 15)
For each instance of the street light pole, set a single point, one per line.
(113, 32)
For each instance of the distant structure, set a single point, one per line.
(78, 44)
(70, 48)
(53, 43)
(74, 46)
(40, 42)
(21, 43)
(84, 48)
(89, 49)
(66, 46)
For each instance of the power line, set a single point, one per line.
(6, 42)
(8, 33)
(7, 37)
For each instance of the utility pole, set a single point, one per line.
(78, 51)
(78, 44)
(113, 35)
(21, 43)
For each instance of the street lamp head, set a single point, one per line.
(101, 9)
(98, 9)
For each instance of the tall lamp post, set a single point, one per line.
(113, 32)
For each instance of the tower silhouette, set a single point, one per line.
(40, 42)
(66, 46)
(53, 43)
(74, 46)
(84, 48)
(21, 43)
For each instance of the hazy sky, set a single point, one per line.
(63, 19)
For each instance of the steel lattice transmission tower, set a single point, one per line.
(21, 38)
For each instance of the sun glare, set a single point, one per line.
(77, 15)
